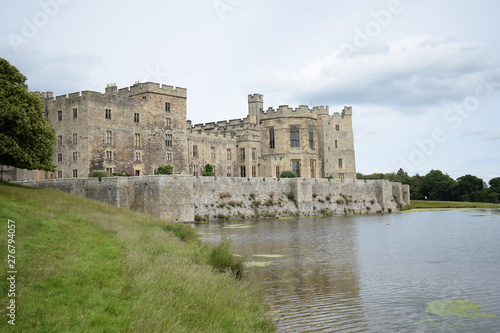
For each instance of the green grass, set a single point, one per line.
(426, 204)
(84, 266)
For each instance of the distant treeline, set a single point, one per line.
(437, 185)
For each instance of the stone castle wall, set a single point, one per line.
(184, 198)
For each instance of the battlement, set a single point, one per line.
(346, 112)
(301, 111)
(44, 94)
(255, 98)
(151, 87)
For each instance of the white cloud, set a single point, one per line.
(414, 71)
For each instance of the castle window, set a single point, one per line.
(195, 170)
(243, 171)
(311, 138)
(296, 167)
(337, 128)
(168, 142)
(75, 138)
(195, 151)
(59, 174)
(59, 158)
(136, 117)
(169, 157)
(341, 176)
(271, 138)
(75, 113)
(254, 154)
(254, 171)
(46, 114)
(212, 152)
(109, 155)
(75, 156)
(340, 163)
(294, 136)
(242, 154)
(137, 172)
(59, 140)
(137, 140)
(107, 139)
(59, 115)
(168, 122)
(137, 156)
(75, 173)
(336, 144)
(278, 173)
(107, 114)
(228, 154)
(228, 171)
(109, 171)
(167, 107)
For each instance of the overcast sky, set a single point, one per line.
(423, 76)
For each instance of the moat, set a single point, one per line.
(373, 273)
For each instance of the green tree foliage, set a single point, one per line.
(288, 174)
(470, 188)
(26, 138)
(209, 170)
(165, 170)
(494, 190)
(439, 186)
(99, 174)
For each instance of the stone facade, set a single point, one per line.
(135, 130)
(188, 198)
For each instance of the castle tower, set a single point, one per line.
(255, 106)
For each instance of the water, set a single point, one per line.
(373, 273)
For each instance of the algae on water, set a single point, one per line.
(238, 226)
(457, 308)
(257, 263)
(269, 255)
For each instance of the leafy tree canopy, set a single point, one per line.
(165, 170)
(209, 170)
(288, 174)
(26, 138)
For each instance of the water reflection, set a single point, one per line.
(373, 273)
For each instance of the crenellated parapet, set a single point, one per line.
(112, 91)
(151, 87)
(303, 111)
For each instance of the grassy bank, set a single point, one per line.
(426, 204)
(84, 266)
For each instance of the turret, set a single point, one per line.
(255, 106)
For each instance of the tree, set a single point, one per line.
(470, 188)
(26, 137)
(288, 174)
(494, 190)
(165, 170)
(437, 186)
(209, 170)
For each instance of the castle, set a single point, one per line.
(135, 130)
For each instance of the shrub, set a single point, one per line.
(99, 174)
(291, 197)
(223, 260)
(288, 174)
(209, 170)
(165, 170)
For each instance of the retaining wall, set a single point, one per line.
(187, 198)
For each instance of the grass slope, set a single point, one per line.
(426, 204)
(84, 266)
